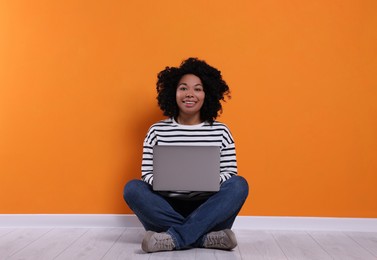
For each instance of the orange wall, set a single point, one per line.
(77, 95)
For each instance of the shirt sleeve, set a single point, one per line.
(147, 159)
(228, 160)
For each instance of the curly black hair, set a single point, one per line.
(215, 88)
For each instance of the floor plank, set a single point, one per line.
(94, 244)
(340, 246)
(18, 239)
(179, 254)
(258, 244)
(128, 246)
(367, 240)
(50, 245)
(4, 231)
(205, 254)
(122, 243)
(299, 245)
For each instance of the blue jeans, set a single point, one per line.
(186, 221)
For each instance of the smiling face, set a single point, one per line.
(190, 98)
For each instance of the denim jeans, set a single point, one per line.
(186, 221)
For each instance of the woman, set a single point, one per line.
(190, 96)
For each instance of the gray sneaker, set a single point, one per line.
(155, 242)
(223, 239)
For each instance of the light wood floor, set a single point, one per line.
(124, 243)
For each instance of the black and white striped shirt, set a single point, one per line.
(169, 132)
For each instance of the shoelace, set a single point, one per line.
(163, 241)
(216, 240)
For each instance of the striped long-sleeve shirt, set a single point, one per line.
(169, 132)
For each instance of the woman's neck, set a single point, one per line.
(182, 120)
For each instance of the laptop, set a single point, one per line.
(186, 168)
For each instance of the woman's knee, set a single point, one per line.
(240, 185)
(131, 189)
(241, 181)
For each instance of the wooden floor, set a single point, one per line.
(124, 243)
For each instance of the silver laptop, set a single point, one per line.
(186, 168)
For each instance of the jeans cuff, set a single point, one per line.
(177, 246)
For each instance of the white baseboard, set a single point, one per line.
(242, 222)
